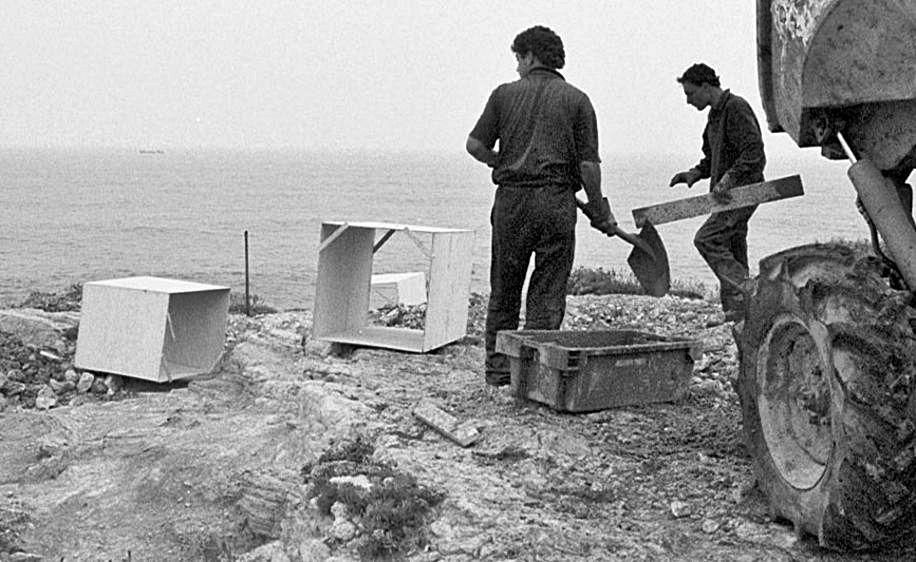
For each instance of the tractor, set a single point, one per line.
(827, 350)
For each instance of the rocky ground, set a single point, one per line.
(288, 451)
(37, 345)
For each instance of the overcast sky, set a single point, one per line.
(323, 74)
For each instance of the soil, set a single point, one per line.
(294, 450)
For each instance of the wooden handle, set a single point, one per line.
(629, 237)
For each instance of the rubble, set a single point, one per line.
(291, 452)
(62, 301)
(52, 334)
(680, 509)
(414, 316)
(37, 347)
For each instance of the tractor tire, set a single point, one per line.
(826, 382)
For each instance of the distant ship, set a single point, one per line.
(153, 151)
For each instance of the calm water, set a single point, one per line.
(75, 216)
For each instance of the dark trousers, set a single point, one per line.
(722, 241)
(526, 221)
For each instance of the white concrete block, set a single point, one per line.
(151, 328)
(343, 287)
(397, 288)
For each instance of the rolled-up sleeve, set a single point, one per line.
(585, 132)
(487, 128)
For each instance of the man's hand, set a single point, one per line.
(720, 191)
(689, 177)
(480, 152)
(600, 216)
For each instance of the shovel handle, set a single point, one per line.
(636, 241)
(617, 230)
(629, 237)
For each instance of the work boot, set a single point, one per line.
(734, 315)
(737, 332)
(496, 369)
(498, 378)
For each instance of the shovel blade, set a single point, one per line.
(650, 267)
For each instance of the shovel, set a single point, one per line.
(648, 260)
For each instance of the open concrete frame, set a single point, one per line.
(345, 259)
(151, 328)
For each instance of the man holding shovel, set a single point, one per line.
(548, 147)
(732, 156)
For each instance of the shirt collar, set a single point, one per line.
(548, 71)
(724, 98)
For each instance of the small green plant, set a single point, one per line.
(356, 450)
(395, 515)
(689, 289)
(392, 514)
(587, 281)
(861, 248)
(64, 301)
(258, 305)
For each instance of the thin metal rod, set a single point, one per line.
(382, 240)
(846, 148)
(247, 294)
(419, 243)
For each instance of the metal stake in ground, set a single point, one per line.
(247, 298)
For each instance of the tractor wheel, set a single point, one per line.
(826, 382)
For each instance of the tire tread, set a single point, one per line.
(869, 491)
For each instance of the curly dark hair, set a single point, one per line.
(699, 74)
(543, 43)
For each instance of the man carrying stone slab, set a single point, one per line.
(548, 148)
(732, 156)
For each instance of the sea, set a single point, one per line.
(77, 215)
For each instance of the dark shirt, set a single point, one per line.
(732, 142)
(545, 128)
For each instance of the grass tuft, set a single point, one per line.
(861, 248)
(65, 301)
(392, 515)
(587, 281)
(356, 450)
(258, 305)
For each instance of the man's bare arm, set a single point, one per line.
(598, 209)
(480, 152)
(591, 180)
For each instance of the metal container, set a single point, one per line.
(587, 371)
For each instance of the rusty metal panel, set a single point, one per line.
(587, 371)
(862, 52)
(793, 25)
(820, 55)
